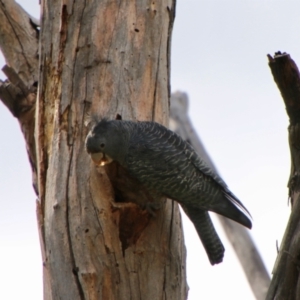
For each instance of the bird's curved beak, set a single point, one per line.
(101, 159)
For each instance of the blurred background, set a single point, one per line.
(219, 58)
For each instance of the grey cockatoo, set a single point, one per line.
(169, 167)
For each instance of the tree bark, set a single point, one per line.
(285, 283)
(102, 58)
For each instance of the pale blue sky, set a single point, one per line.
(219, 58)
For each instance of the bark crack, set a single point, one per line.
(139, 285)
(72, 256)
(164, 284)
(76, 53)
(112, 35)
(156, 79)
(171, 13)
(117, 264)
(95, 210)
(171, 223)
(84, 111)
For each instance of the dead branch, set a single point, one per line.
(19, 45)
(285, 283)
(238, 236)
(19, 41)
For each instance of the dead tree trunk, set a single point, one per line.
(285, 284)
(95, 58)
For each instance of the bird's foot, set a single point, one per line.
(152, 208)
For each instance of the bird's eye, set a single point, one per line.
(102, 145)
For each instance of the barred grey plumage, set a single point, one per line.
(162, 162)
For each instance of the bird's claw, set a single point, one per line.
(152, 207)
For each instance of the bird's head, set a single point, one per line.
(106, 142)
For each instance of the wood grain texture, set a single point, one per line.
(285, 284)
(102, 58)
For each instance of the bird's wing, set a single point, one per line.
(169, 148)
(161, 159)
(156, 157)
(205, 169)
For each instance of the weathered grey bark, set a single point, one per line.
(19, 45)
(103, 58)
(285, 284)
(238, 236)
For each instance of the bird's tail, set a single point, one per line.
(232, 208)
(207, 233)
